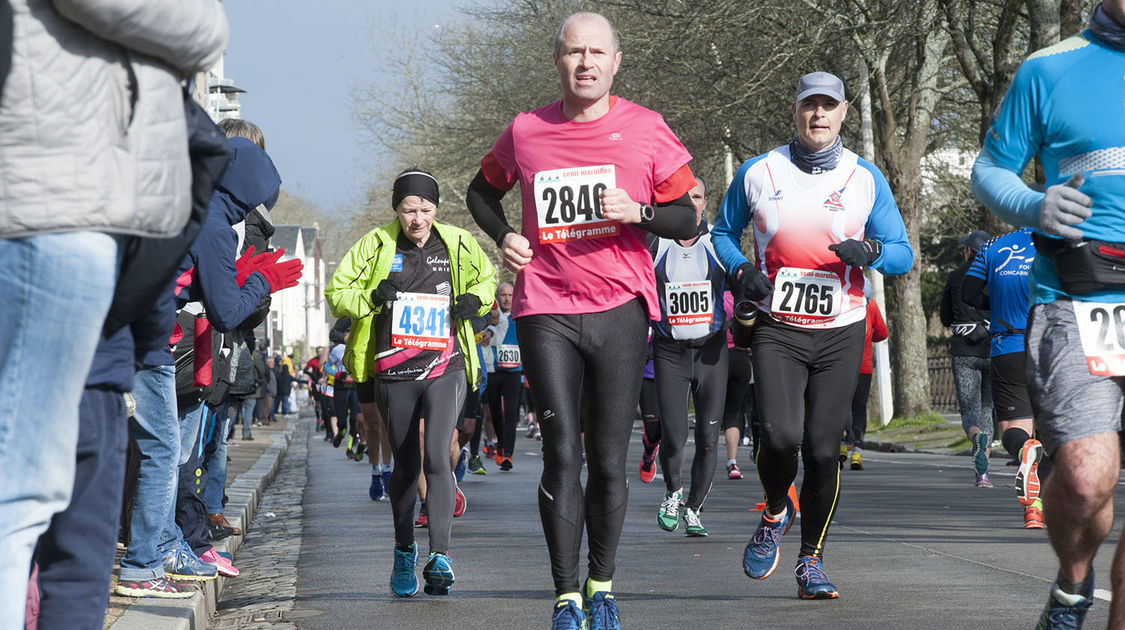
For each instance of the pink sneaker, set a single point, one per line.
(222, 564)
(459, 503)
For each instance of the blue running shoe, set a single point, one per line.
(759, 559)
(183, 565)
(462, 465)
(376, 490)
(980, 452)
(1065, 611)
(568, 616)
(601, 612)
(438, 574)
(403, 581)
(812, 583)
(386, 484)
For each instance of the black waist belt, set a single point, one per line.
(1087, 267)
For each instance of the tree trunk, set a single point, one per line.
(1070, 17)
(1045, 27)
(907, 320)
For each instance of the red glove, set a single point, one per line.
(282, 275)
(244, 265)
(247, 265)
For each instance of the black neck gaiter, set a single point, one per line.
(1106, 29)
(817, 162)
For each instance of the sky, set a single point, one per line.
(301, 63)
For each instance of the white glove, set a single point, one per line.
(1063, 207)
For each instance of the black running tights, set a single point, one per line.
(402, 404)
(602, 354)
(701, 372)
(505, 403)
(804, 381)
(650, 412)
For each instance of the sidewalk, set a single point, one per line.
(944, 438)
(252, 466)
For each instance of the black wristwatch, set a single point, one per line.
(648, 213)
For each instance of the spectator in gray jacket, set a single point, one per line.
(93, 143)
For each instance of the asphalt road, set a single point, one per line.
(914, 545)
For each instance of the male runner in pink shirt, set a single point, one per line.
(595, 172)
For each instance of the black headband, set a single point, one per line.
(414, 183)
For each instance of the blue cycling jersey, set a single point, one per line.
(1064, 105)
(1004, 263)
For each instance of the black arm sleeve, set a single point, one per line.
(483, 200)
(480, 323)
(974, 291)
(340, 330)
(675, 219)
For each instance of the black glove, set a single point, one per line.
(466, 307)
(387, 291)
(755, 284)
(857, 253)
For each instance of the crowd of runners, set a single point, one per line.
(626, 297)
(628, 304)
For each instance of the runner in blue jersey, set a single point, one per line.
(1002, 266)
(506, 384)
(1064, 106)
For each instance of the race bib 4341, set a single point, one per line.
(568, 203)
(421, 320)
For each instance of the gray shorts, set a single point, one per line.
(1069, 403)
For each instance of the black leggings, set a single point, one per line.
(650, 412)
(504, 389)
(478, 428)
(739, 376)
(603, 355)
(403, 404)
(804, 385)
(702, 372)
(345, 405)
(857, 420)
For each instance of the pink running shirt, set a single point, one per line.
(580, 264)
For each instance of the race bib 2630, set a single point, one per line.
(508, 356)
(568, 203)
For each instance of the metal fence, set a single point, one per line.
(943, 396)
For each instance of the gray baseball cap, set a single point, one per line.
(820, 83)
(974, 240)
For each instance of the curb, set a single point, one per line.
(244, 494)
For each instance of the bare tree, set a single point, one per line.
(722, 72)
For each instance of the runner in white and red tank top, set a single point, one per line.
(818, 214)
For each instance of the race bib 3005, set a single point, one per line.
(1101, 326)
(421, 320)
(568, 203)
(688, 303)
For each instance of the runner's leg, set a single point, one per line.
(710, 367)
